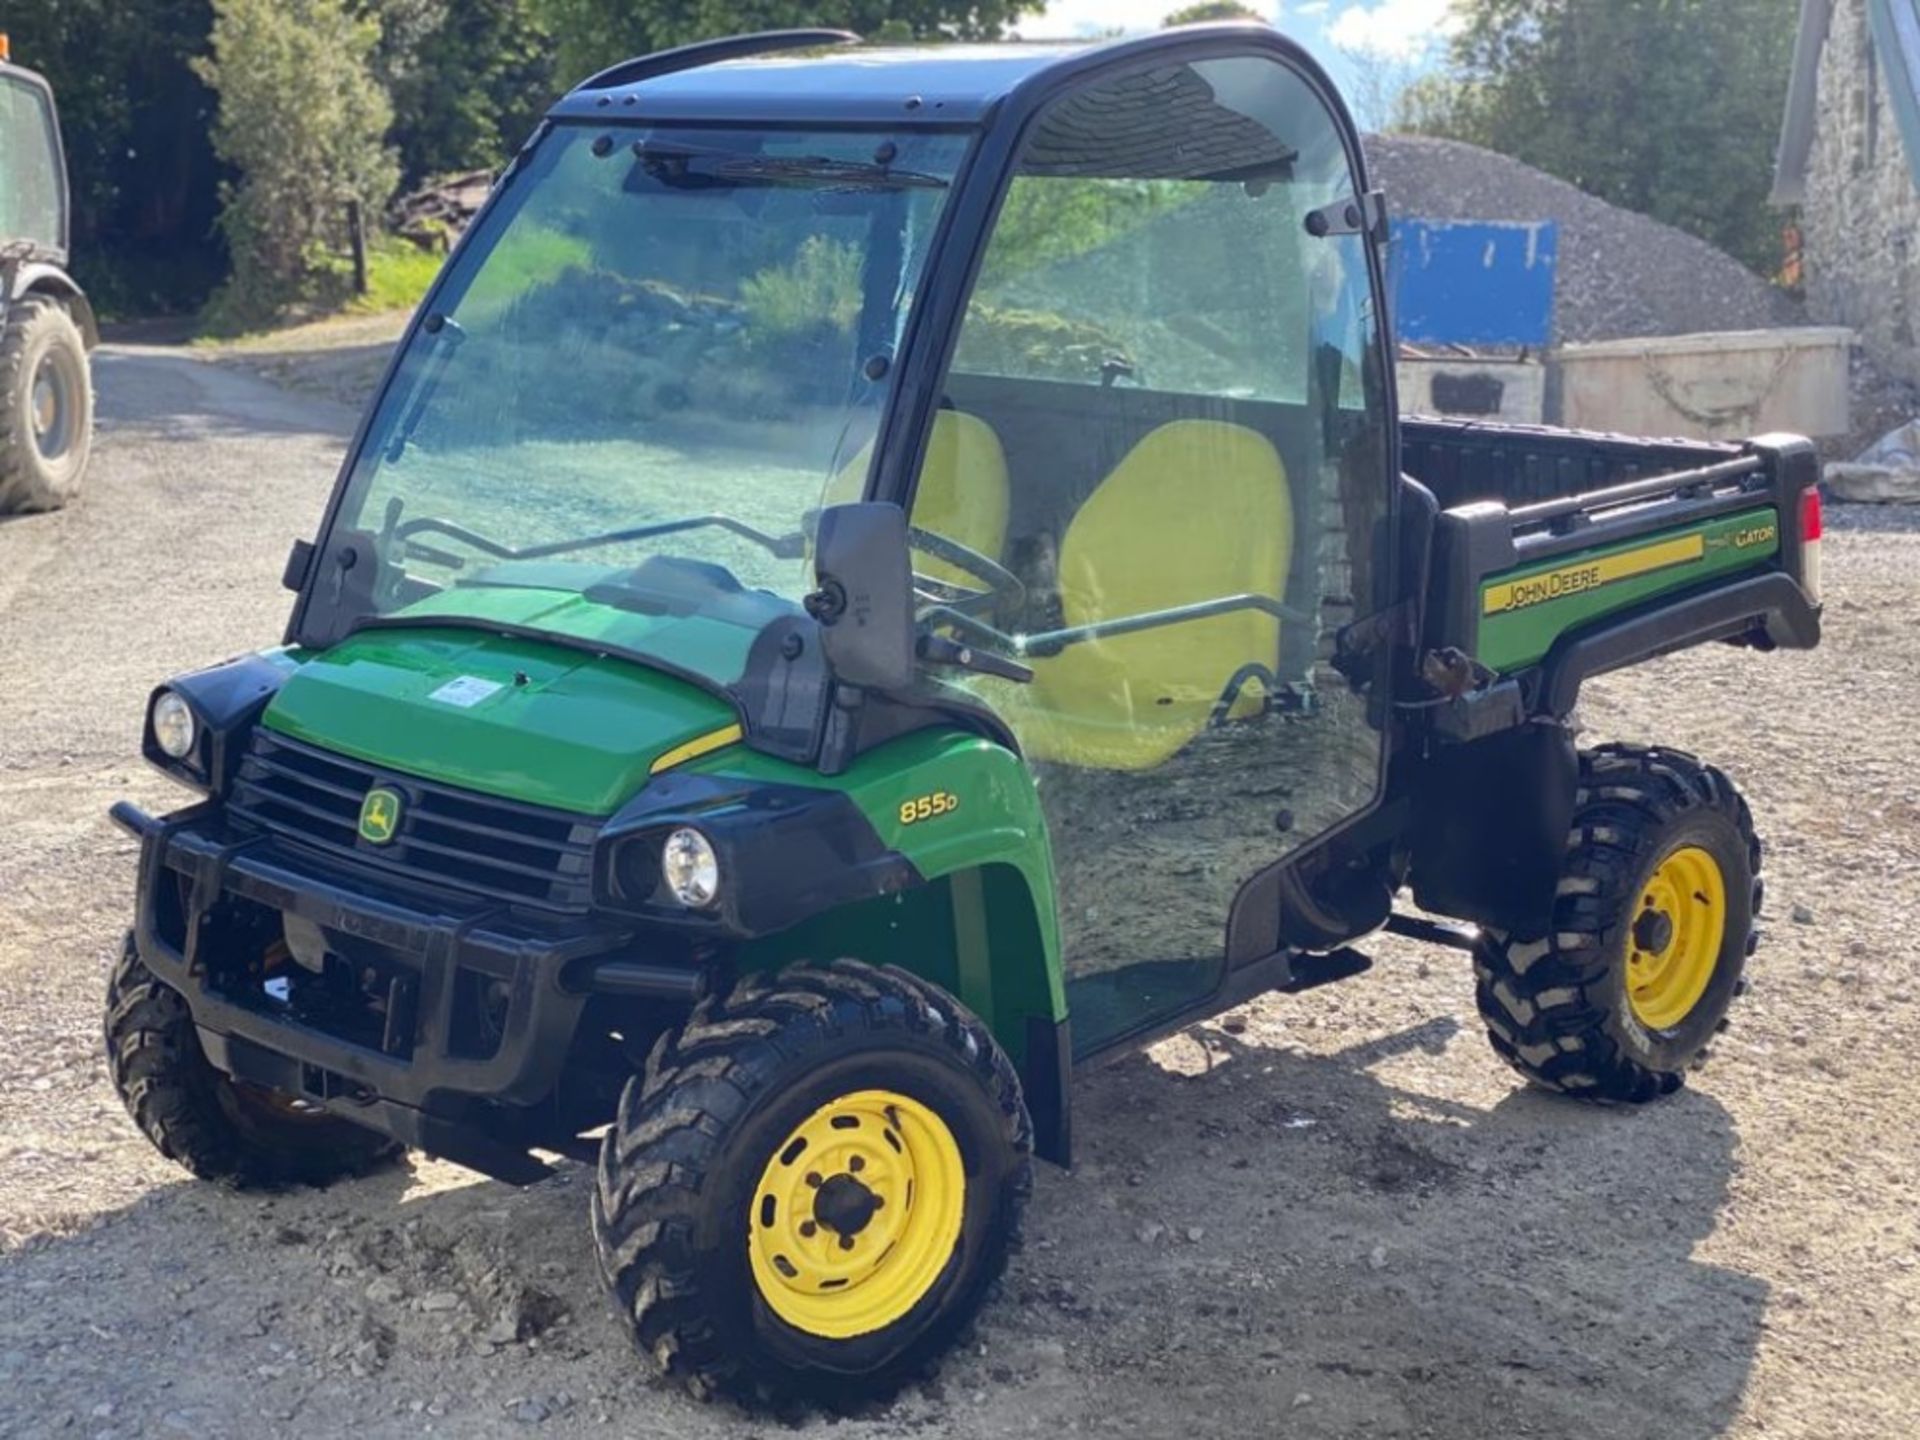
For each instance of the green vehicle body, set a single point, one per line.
(1597, 553)
(585, 734)
(1525, 613)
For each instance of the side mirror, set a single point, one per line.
(864, 602)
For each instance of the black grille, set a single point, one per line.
(449, 837)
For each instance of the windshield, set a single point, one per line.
(660, 354)
(31, 193)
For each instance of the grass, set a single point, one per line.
(529, 255)
(398, 274)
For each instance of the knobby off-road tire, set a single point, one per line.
(46, 406)
(200, 1118)
(1595, 1008)
(706, 1150)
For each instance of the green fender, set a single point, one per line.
(964, 811)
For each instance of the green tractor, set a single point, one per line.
(875, 577)
(46, 324)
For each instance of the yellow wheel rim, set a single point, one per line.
(1674, 946)
(857, 1214)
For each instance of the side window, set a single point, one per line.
(1115, 268)
(30, 188)
(1179, 377)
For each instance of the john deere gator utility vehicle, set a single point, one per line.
(46, 324)
(876, 576)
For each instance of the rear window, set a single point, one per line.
(31, 195)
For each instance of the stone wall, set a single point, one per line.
(1862, 213)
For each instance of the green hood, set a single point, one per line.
(511, 717)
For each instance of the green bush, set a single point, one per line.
(820, 289)
(302, 121)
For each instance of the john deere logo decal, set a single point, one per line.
(379, 816)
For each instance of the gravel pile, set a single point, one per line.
(1621, 274)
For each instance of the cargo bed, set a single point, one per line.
(1557, 555)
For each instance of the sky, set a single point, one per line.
(1350, 37)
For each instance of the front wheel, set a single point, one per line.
(46, 406)
(1652, 928)
(811, 1189)
(213, 1125)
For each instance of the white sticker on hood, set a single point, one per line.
(466, 692)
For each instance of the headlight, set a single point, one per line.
(173, 725)
(690, 868)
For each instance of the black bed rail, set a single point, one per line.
(1462, 461)
(1682, 484)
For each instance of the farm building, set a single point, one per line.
(1850, 160)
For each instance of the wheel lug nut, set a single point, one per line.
(813, 1179)
(846, 1242)
(809, 1229)
(856, 1164)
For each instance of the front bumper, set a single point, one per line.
(424, 1075)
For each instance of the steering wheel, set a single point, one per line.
(413, 549)
(1000, 582)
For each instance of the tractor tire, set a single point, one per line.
(214, 1126)
(810, 1191)
(1652, 928)
(46, 406)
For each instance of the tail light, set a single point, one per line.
(1810, 530)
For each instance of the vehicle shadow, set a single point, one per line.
(1330, 1225)
(1305, 1238)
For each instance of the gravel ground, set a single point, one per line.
(1621, 274)
(1322, 1216)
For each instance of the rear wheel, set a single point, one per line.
(1652, 928)
(204, 1120)
(46, 406)
(811, 1189)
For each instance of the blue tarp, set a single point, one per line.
(1474, 282)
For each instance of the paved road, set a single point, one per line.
(1333, 1215)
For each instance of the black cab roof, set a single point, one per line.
(830, 77)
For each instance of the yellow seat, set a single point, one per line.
(962, 496)
(1199, 510)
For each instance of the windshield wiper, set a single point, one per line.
(445, 335)
(674, 165)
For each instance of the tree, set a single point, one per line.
(469, 79)
(593, 34)
(1668, 107)
(1382, 89)
(1209, 10)
(134, 116)
(303, 122)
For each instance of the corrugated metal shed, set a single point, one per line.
(1896, 40)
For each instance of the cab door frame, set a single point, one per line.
(1256, 958)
